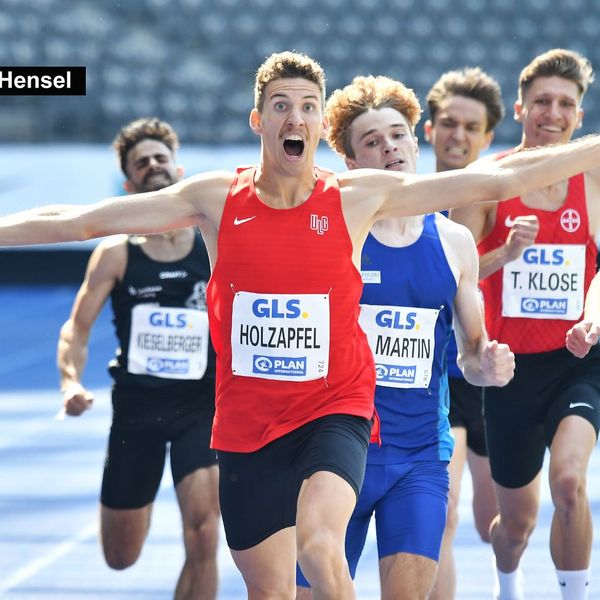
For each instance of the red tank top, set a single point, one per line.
(543, 284)
(270, 263)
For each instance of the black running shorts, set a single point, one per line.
(522, 417)
(259, 490)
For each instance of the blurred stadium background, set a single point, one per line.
(193, 61)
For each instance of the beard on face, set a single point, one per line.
(152, 184)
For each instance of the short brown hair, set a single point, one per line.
(470, 82)
(558, 62)
(142, 129)
(287, 65)
(360, 96)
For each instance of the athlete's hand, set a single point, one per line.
(522, 233)
(498, 364)
(581, 337)
(76, 399)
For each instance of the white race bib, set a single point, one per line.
(402, 340)
(280, 336)
(545, 282)
(171, 343)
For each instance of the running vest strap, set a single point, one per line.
(283, 290)
(162, 305)
(406, 286)
(532, 302)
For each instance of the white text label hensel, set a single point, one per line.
(42, 81)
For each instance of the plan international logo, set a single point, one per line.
(42, 81)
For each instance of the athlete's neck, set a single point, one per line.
(398, 232)
(284, 191)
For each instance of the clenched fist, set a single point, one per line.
(581, 337)
(76, 399)
(497, 363)
(522, 234)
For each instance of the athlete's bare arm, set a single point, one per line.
(195, 201)
(374, 194)
(482, 362)
(105, 269)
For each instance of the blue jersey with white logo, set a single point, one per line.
(414, 420)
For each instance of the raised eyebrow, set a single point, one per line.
(277, 95)
(286, 97)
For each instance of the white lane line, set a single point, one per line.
(35, 566)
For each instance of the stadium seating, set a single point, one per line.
(192, 61)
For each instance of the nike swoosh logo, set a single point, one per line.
(576, 404)
(237, 221)
(509, 222)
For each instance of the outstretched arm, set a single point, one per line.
(105, 268)
(482, 362)
(192, 201)
(585, 334)
(402, 194)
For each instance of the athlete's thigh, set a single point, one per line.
(137, 447)
(133, 468)
(406, 576)
(269, 567)
(572, 447)
(258, 492)
(190, 446)
(198, 495)
(337, 444)
(358, 526)
(374, 486)
(325, 502)
(578, 395)
(332, 467)
(514, 432)
(412, 516)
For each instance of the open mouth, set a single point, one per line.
(293, 145)
(551, 129)
(456, 151)
(394, 164)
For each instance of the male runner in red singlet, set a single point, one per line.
(295, 375)
(532, 300)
